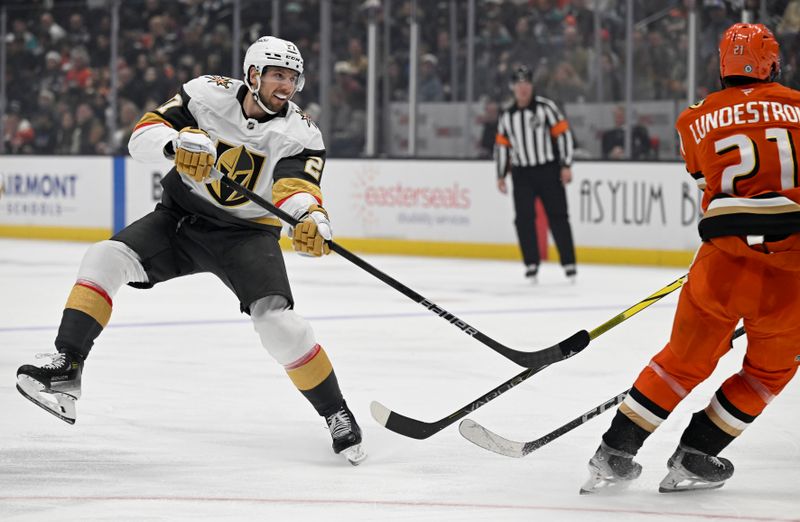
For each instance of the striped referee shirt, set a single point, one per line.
(531, 136)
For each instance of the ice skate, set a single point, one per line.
(690, 469)
(610, 470)
(55, 386)
(346, 435)
(532, 272)
(571, 272)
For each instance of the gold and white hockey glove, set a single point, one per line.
(195, 154)
(309, 236)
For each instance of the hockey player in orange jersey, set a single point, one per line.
(739, 144)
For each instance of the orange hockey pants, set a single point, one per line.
(729, 281)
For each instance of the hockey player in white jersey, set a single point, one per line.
(252, 132)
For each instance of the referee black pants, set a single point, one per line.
(544, 182)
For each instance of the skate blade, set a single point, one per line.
(354, 454)
(60, 404)
(598, 484)
(604, 487)
(678, 481)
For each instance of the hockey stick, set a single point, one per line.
(529, 359)
(417, 429)
(488, 440)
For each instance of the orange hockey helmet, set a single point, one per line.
(749, 50)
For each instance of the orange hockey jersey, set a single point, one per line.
(740, 146)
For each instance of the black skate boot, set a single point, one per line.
(531, 272)
(690, 469)
(571, 272)
(346, 435)
(610, 469)
(55, 386)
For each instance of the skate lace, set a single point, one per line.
(57, 360)
(339, 424)
(716, 462)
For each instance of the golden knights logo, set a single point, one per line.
(220, 81)
(304, 116)
(242, 166)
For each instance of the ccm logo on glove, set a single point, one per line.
(195, 154)
(309, 236)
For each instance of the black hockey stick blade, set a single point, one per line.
(488, 440)
(417, 429)
(527, 359)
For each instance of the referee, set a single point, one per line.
(534, 142)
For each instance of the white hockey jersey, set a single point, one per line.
(275, 157)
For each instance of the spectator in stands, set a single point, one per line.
(348, 121)
(583, 21)
(495, 37)
(49, 30)
(67, 135)
(790, 68)
(78, 71)
(20, 33)
(525, 48)
(446, 53)
(45, 125)
(52, 78)
(645, 76)
(430, 85)
(358, 61)
(677, 74)
(716, 22)
(609, 77)
(488, 121)
(613, 140)
(18, 133)
(659, 52)
(77, 33)
(398, 81)
(790, 21)
(96, 139)
(154, 85)
(128, 117)
(219, 51)
(84, 120)
(575, 53)
(565, 85)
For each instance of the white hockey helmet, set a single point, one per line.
(270, 50)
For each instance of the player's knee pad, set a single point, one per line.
(285, 335)
(111, 264)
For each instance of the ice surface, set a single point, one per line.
(185, 417)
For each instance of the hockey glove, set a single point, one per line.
(309, 236)
(195, 154)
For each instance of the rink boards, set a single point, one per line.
(627, 213)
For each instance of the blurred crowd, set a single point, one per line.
(58, 80)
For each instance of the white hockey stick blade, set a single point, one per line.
(62, 405)
(379, 412)
(480, 436)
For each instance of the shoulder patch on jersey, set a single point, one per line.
(219, 81)
(698, 104)
(304, 116)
